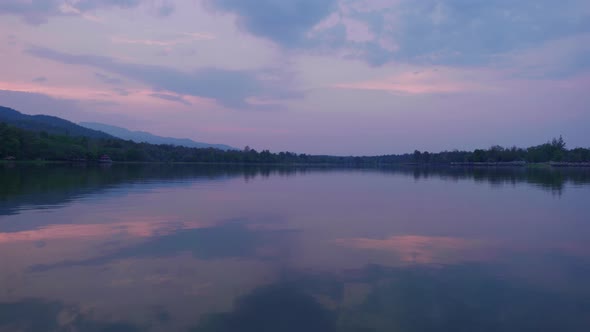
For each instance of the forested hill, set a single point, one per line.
(31, 145)
(42, 137)
(48, 124)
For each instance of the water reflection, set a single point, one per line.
(231, 239)
(461, 298)
(47, 185)
(377, 298)
(416, 248)
(215, 248)
(553, 179)
(278, 307)
(36, 315)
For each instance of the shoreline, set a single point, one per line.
(452, 164)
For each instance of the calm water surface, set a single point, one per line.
(201, 248)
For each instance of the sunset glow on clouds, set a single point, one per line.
(331, 76)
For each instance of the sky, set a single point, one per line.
(340, 77)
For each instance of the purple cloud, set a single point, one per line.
(170, 97)
(453, 32)
(231, 88)
(108, 79)
(39, 11)
(40, 79)
(284, 22)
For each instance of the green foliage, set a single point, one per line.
(46, 124)
(554, 150)
(30, 145)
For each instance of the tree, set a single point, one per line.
(417, 156)
(558, 143)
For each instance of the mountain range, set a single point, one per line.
(50, 124)
(58, 126)
(142, 136)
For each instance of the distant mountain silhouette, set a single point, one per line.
(49, 124)
(142, 136)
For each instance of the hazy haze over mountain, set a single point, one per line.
(142, 136)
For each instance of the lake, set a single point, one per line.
(236, 248)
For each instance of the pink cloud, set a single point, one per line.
(181, 38)
(446, 80)
(357, 31)
(133, 96)
(69, 92)
(260, 101)
(244, 130)
(68, 9)
(418, 82)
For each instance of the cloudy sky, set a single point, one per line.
(315, 76)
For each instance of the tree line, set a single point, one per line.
(30, 145)
(554, 150)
